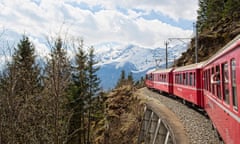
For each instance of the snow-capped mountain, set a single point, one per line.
(113, 58)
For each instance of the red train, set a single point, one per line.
(213, 85)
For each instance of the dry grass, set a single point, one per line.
(122, 118)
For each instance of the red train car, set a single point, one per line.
(188, 84)
(221, 75)
(163, 80)
(149, 80)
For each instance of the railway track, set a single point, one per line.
(197, 126)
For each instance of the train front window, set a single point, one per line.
(234, 85)
(225, 84)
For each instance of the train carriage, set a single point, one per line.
(213, 85)
(163, 80)
(149, 80)
(222, 91)
(188, 84)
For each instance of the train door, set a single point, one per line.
(234, 99)
(228, 121)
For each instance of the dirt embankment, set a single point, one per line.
(122, 120)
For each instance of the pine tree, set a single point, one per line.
(121, 80)
(93, 87)
(202, 14)
(78, 100)
(232, 9)
(28, 72)
(215, 9)
(20, 85)
(130, 79)
(209, 13)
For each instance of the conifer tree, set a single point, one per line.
(20, 85)
(202, 14)
(79, 95)
(57, 80)
(214, 12)
(28, 72)
(130, 78)
(93, 87)
(121, 80)
(232, 9)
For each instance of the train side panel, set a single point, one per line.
(163, 81)
(149, 81)
(222, 93)
(188, 85)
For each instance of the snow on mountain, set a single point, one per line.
(113, 58)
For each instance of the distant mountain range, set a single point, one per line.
(131, 58)
(112, 58)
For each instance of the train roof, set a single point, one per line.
(228, 47)
(163, 70)
(190, 67)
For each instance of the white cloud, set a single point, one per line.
(175, 9)
(109, 24)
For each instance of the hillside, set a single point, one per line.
(122, 119)
(210, 41)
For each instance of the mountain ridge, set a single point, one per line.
(132, 59)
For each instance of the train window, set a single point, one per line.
(175, 76)
(218, 79)
(204, 79)
(190, 78)
(213, 86)
(225, 83)
(206, 72)
(234, 85)
(180, 78)
(186, 78)
(194, 79)
(209, 85)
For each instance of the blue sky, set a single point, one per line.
(146, 23)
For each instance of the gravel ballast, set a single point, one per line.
(197, 125)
